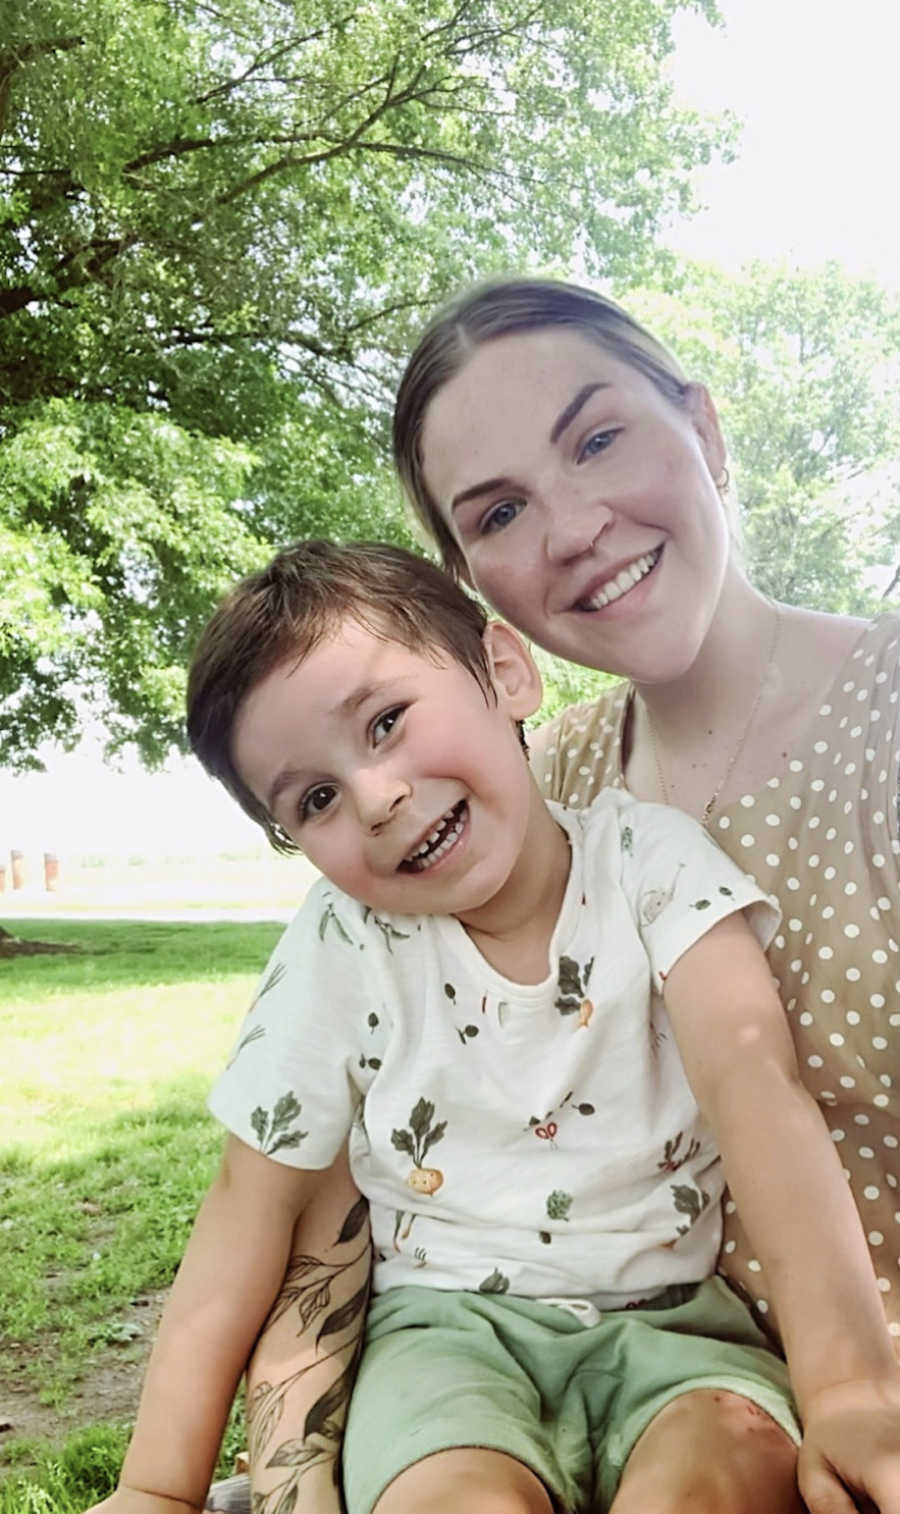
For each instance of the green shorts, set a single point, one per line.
(442, 1370)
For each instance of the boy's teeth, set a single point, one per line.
(427, 852)
(624, 580)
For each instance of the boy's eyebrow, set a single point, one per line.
(563, 420)
(282, 781)
(346, 706)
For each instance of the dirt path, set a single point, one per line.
(107, 1390)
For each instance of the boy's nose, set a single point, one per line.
(379, 797)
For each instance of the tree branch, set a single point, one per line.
(886, 593)
(9, 62)
(264, 59)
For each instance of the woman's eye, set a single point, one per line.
(598, 441)
(385, 723)
(316, 801)
(500, 516)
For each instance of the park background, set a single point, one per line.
(220, 228)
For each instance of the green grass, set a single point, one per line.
(105, 1150)
(67, 1480)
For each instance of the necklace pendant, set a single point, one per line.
(736, 755)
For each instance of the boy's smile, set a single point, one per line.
(401, 779)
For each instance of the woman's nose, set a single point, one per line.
(574, 525)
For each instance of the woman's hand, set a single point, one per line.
(130, 1501)
(851, 1448)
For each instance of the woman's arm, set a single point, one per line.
(786, 1178)
(231, 1271)
(301, 1373)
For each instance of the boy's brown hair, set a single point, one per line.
(304, 595)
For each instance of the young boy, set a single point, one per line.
(548, 1034)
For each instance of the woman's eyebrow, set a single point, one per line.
(487, 487)
(564, 419)
(567, 416)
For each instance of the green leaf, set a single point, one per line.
(287, 1142)
(496, 1282)
(421, 1117)
(287, 1108)
(432, 1138)
(558, 1204)
(401, 1140)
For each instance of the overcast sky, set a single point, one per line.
(815, 84)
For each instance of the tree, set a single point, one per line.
(805, 369)
(219, 225)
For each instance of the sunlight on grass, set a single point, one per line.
(105, 1151)
(67, 1479)
(91, 1036)
(63, 1481)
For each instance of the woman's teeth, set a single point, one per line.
(623, 581)
(437, 842)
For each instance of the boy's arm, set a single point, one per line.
(231, 1271)
(786, 1178)
(301, 1373)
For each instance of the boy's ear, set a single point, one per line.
(514, 673)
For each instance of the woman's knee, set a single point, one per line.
(485, 1482)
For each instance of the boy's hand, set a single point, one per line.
(850, 1456)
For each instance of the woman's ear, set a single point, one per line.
(514, 674)
(705, 421)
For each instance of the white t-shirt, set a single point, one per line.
(540, 1139)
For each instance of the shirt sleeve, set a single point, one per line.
(294, 1080)
(680, 884)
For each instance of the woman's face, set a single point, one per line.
(583, 499)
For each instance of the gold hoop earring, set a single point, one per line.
(723, 481)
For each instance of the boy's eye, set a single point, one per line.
(385, 723)
(316, 801)
(598, 441)
(500, 515)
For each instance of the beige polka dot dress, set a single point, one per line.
(822, 835)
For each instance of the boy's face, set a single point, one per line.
(398, 778)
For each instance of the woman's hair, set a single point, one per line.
(482, 315)
(304, 595)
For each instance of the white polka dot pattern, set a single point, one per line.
(823, 836)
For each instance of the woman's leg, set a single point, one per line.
(710, 1452)
(485, 1482)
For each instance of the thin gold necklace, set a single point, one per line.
(735, 757)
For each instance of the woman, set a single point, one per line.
(566, 467)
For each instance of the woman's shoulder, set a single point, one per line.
(826, 658)
(580, 746)
(865, 659)
(578, 716)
